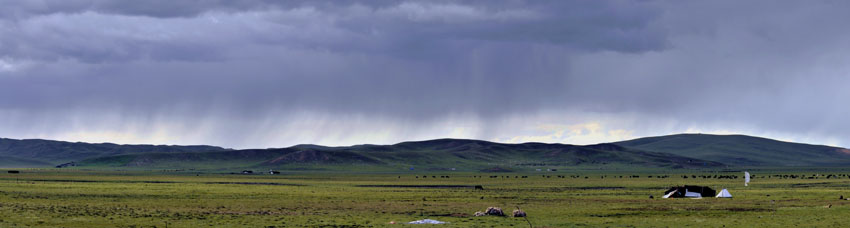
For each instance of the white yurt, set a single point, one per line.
(724, 194)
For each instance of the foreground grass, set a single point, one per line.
(153, 199)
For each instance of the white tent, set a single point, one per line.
(692, 194)
(427, 221)
(723, 194)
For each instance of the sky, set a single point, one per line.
(262, 74)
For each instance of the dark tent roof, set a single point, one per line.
(680, 191)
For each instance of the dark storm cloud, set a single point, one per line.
(93, 31)
(240, 67)
(409, 51)
(154, 8)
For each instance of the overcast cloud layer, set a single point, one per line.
(249, 74)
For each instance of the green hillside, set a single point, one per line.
(441, 154)
(742, 150)
(38, 151)
(11, 162)
(673, 151)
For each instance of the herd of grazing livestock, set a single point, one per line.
(781, 176)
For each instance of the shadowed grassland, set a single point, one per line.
(46, 198)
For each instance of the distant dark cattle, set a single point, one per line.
(65, 165)
(479, 187)
(14, 171)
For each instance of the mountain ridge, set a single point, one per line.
(743, 150)
(430, 154)
(669, 151)
(55, 152)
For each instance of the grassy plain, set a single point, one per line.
(76, 198)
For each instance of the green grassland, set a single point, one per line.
(86, 198)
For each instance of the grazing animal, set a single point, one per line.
(495, 211)
(519, 213)
(651, 197)
(479, 187)
(841, 197)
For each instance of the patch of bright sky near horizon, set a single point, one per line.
(256, 74)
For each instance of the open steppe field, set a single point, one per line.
(75, 198)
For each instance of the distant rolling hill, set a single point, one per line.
(432, 154)
(742, 150)
(672, 151)
(12, 162)
(32, 152)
